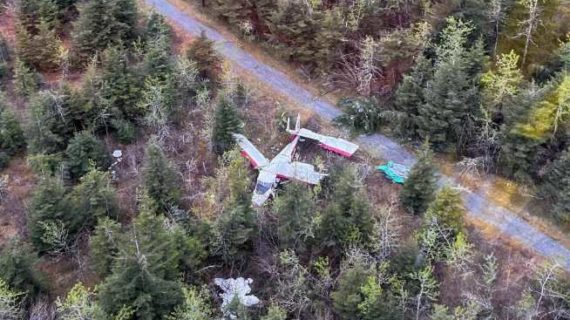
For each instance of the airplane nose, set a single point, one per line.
(259, 199)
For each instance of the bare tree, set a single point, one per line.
(496, 15)
(529, 25)
(387, 231)
(367, 69)
(427, 289)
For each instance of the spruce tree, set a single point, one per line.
(18, 268)
(40, 50)
(295, 210)
(448, 209)
(226, 122)
(410, 96)
(11, 134)
(104, 245)
(208, 62)
(157, 27)
(144, 275)
(49, 207)
(348, 295)
(555, 186)
(420, 186)
(235, 227)
(160, 178)
(83, 152)
(93, 198)
(451, 110)
(26, 81)
(101, 24)
(347, 219)
(50, 126)
(121, 86)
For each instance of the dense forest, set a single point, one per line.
(122, 193)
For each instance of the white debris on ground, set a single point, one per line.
(236, 288)
(118, 155)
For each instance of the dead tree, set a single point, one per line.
(529, 25)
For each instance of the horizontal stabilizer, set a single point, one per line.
(336, 145)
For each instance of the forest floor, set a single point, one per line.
(480, 202)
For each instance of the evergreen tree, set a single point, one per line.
(443, 224)
(104, 245)
(448, 209)
(347, 219)
(145, 273)
(18, 268)
(160, 177)
(207, 60)
(157, 27)
(125, 15)
(226, 122)
(5, 57)
(420, 186)
(41, 50)
(451, 107)
(410, 96)
(121, 86)
(50, 126)
(555, 186)
(49, 207)
(348, 295)
(295, 210)
(157, 59)
(101, 24)
(83, 152)
(93, 198)
(11, 134)
(26, 81)
(235, 229)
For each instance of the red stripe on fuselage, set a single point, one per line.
(335, 150)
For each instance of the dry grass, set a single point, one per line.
(21, 182)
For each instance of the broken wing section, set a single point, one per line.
(336, 145)
(249, 151)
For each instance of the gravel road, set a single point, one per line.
(476, 203)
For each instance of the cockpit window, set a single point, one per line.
(262, 187)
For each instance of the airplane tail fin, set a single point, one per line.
(297, 125)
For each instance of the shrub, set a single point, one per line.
(83, 152)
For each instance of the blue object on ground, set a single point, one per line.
(395, 172)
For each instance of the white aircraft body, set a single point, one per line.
(282, 167)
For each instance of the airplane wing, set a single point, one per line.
(249, 151)
(298, 171)
(336, 145)
(286, 154)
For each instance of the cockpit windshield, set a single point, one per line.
(262, 187)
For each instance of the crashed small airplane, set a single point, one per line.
(282, 167)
